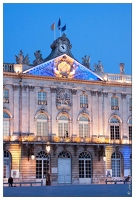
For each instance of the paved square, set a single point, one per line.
(110, 190)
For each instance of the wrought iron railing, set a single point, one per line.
(57, 139)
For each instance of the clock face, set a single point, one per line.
(62, 48)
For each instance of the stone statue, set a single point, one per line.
(20, 59)
(122, 68)
(86, 61)
(26, 60)
(98, 67)
(38, 59)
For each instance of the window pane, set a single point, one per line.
(117, 135)
(60, 129)
(6, 128)
(130, 132)
(86, 130)
(6, 93)
(80, 130)
(38, 128)
(112, 132)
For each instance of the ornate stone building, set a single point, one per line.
(84, 116)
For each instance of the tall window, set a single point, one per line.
(62, 125)
(5, 96)
(42, 164)
(7, 163)
(116, 164)
(42, 98)
(83, 126)
(42, 125)
(130, 129)
(114, 103)
(130, 104)
(114, 129)
(85, 169)
(84, 101)
(6, 127)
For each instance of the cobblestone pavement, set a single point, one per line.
(110, 190)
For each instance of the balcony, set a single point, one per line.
(57, 139)
(8, 67)
(41, 102)
(114, 107)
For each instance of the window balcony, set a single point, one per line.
(5, 100)
(41, 102)
(83, 105)
(114, 107)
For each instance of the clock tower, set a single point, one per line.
(60, 46)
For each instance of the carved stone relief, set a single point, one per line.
(63, 98)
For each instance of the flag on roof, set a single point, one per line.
(63, 28)
(59, 24)
(53, 27)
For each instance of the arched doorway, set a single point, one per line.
(85, 167)
(64, 167)
(7, 164)
(42, 164)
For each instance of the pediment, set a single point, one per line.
(63, 67)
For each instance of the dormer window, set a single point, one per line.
(42, 98)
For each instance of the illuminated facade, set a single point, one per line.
(84, 116)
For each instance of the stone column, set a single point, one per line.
(53, 111)
(124, 129)
(74, 111)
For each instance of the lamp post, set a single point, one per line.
(48, 147)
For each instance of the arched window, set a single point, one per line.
(130, 129)
(114, 128)
(83, 126)
(114, 103)
(7, 164)
(64, 154)
(63, 126)
(116, 164)
(42, 164)
(6, 124)
(85, 168)
(42, 125)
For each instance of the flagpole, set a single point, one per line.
(54, 34)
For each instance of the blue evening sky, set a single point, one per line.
(101, 30)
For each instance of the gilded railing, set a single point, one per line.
(57, 139)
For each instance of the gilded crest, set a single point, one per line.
(64, 67)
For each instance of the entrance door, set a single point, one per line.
(64, 170)
(85, 168)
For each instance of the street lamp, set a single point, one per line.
(32, 156)
(48, 147)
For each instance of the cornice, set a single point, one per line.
(102, 83)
